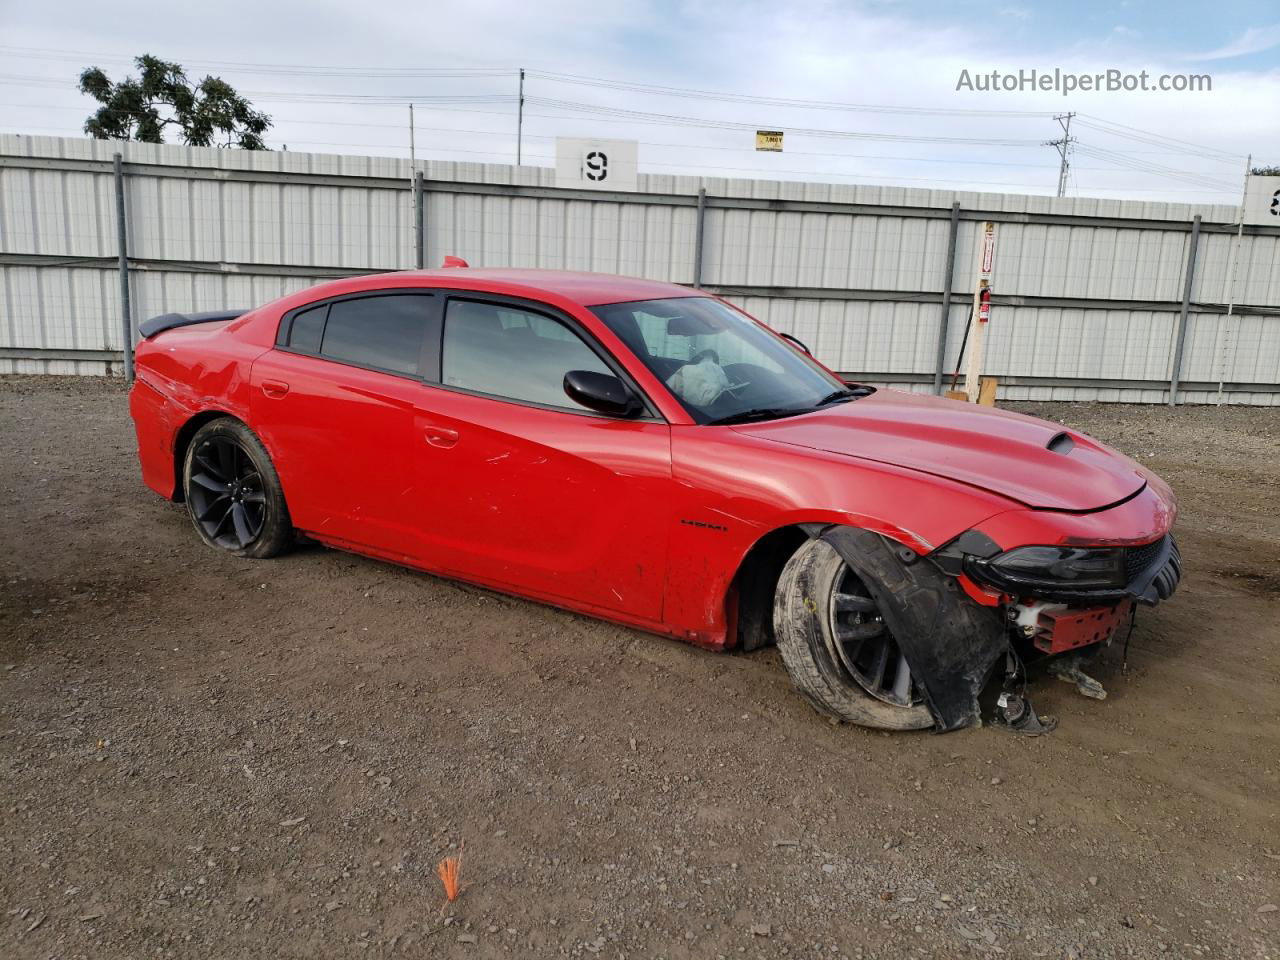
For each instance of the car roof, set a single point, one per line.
(585, 289)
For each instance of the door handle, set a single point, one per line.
(440, 436)
(275, 389)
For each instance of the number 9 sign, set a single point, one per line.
(596, 164)
(1262, 201)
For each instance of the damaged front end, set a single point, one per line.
(1062, 601)
(961, 611)
(1069, 575)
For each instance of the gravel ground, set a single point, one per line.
(209, 757)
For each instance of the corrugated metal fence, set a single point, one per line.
(1090, 295)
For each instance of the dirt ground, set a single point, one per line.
(209, 757)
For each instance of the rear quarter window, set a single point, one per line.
(380, 332)
(307, 328)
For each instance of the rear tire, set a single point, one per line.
(233, 493)
(821, 642)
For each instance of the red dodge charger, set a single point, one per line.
(649, 454)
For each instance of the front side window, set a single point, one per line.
(511, 353)
(719, 363)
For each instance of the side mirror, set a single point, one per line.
(797, 341)
(603, 393)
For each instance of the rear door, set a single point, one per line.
(336, 404)
(530, 490)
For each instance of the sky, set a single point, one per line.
(337, 77)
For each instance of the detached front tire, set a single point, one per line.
(837, 648)
(233, 493)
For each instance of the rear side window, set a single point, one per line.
(512, 353)
(384, 332)
(307, 328)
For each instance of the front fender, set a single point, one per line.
(731, 491)
(950, 643)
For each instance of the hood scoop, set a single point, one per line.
(1061, 443)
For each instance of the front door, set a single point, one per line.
(530, 491)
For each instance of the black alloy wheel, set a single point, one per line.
(862, 644)
(233, 493)
(226, 494)
(837, 647)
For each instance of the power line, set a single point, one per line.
(641, 116)
(296, 70)
(1157, 139)
(1153, 169)
(1107, 156)
(677, 166)
(648, 143)
(1147, 166)
(380, 72)
(695, 94)
(601, 113)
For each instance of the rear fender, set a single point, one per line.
(184, 377)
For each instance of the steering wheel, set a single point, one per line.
(702, 354)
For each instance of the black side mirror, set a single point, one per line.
(797, 341)
(603, 393)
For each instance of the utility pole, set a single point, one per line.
(1225, 324)
(1063, 146)
(520, 118)
(415, 186)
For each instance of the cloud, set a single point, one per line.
(831, 50)
(1253, 40)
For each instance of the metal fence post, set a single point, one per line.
(122, 241)
(697, 237)
(419, 222)
(1181, 342)
(944, 320)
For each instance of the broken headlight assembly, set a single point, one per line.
(1037, 569)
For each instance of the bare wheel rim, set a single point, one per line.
(225, 490)
(861, 643)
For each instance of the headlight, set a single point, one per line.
(1079, 567)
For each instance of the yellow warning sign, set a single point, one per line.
(769, 140)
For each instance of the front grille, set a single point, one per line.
(1137, 560)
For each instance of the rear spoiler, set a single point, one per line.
(168, 321)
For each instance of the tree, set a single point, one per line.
(1265, 171)
(209, 114)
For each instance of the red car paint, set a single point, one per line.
(643, 523)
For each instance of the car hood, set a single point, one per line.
(1034, 462)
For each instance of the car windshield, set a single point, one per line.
(721, 365)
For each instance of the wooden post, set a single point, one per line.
(985, 255)
(987, 391)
